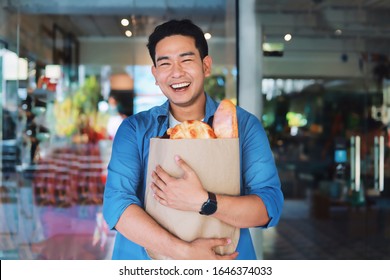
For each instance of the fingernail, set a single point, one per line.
(229, 241)
(177, 158)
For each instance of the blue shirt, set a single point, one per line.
(126, 179)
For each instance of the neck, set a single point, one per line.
(195, 111)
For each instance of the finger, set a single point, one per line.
(158, 194)
(224, 242)
(164, 176)
(160, 199)
(232, 256)
(157, 181)
(182, 164)
(156, 189)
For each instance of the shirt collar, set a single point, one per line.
(211, 105)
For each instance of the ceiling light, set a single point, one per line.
(53, 71)
(15, 68)
(207, 36)
(338, 32)
(287, 37)
(129, 33)
(125, 22)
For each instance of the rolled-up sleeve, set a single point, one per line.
(260, 175)
(124, 174)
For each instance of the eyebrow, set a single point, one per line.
(186, 54)
(181, 55)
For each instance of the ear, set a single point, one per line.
(207, 62)
(154, 74)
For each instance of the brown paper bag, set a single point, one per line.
(217, 164)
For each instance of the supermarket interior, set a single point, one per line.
(315, 72)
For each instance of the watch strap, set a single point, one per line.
(212, 197)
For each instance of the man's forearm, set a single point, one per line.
(136, 225)
(241, 211)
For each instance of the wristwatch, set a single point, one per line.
(210, 206)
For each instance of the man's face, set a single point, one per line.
(179, 70)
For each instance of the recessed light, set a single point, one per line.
(128, 33)
(125, 22)
(207, 36)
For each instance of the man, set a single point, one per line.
(180, 64)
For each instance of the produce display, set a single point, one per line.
(69, 170)
(66, 116)
(77, 115)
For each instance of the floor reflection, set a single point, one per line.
(31, 231)
(347, 234)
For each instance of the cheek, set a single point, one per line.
(160, 77)
(197, 71)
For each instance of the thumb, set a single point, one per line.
(220, 242)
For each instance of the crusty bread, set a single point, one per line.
(225, 120)
(192, 129)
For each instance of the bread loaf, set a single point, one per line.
(225, 120)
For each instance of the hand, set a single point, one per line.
(185, 193)
(203, 249)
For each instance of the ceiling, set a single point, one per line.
(362, 25)
(99, 18)
(360, 21)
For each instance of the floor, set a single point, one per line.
(344, 234)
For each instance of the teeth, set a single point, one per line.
(181, 85)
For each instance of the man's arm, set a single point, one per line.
(242, 211)
(136, 225)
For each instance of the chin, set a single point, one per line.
(181, 98)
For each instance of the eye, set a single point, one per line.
(164, 64)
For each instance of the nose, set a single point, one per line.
(177, 70)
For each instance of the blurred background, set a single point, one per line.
(315, 72)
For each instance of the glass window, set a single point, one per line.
(79, 70)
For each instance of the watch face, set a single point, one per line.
(209, 207)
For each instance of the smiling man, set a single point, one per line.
(181, 63)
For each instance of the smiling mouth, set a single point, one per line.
(180, 86)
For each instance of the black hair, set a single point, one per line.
(183, 27)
